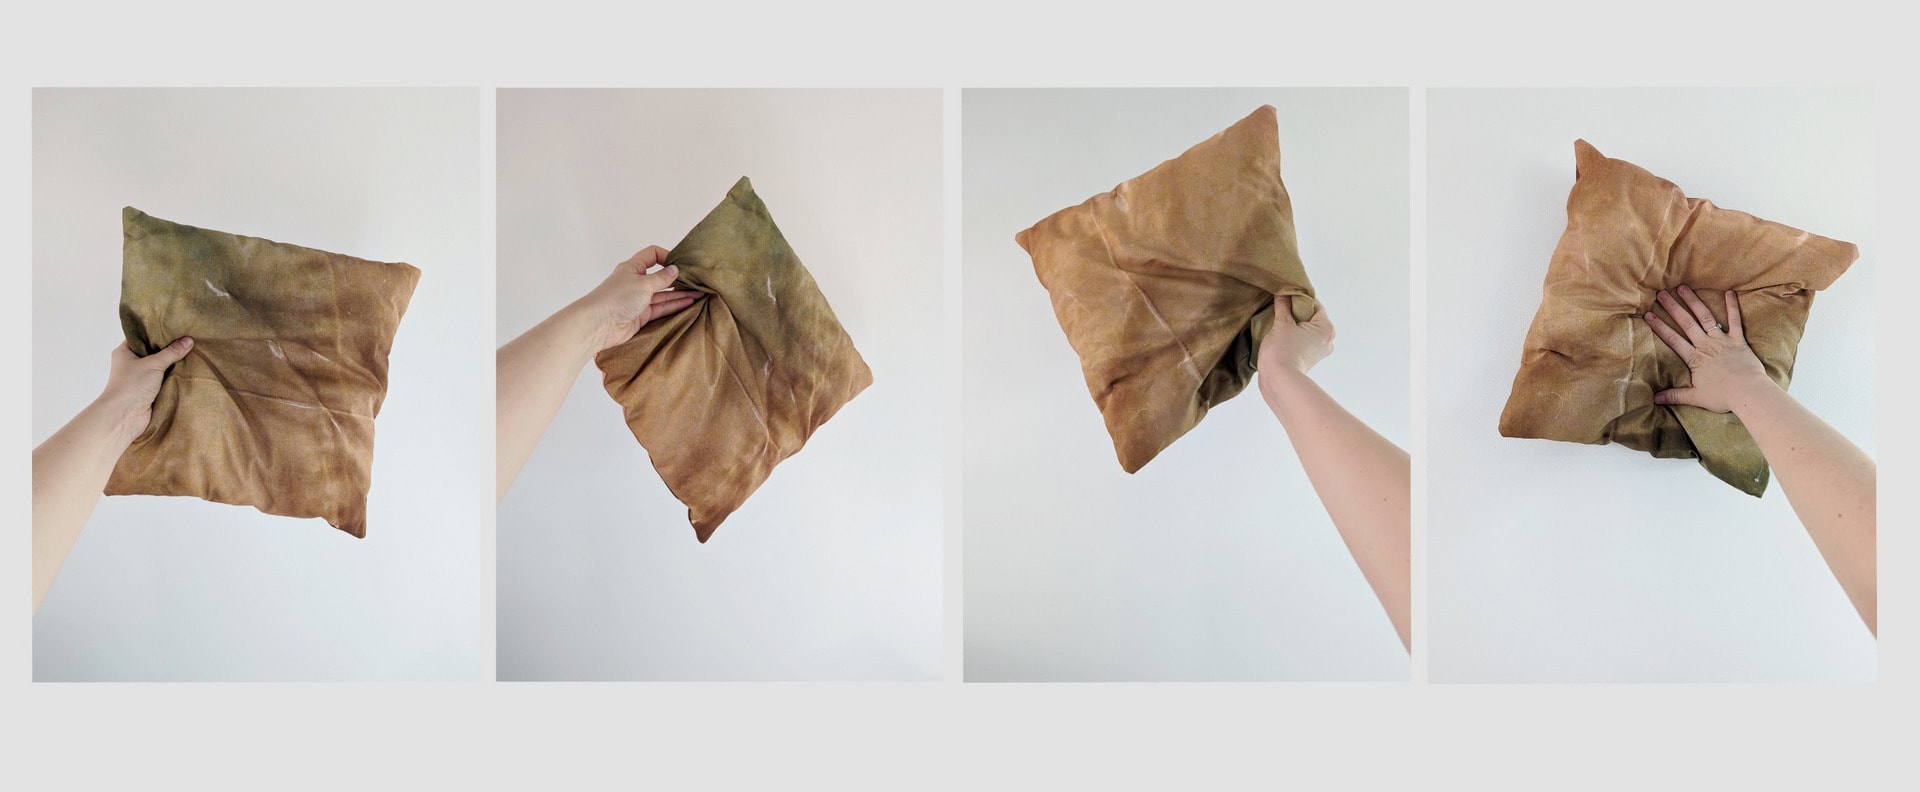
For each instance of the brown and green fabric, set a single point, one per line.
(1591, 366)
(274, 406)
(723, 391)
(1165, 285)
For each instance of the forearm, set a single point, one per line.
(70, 471)
(532, 375)
(1830, 483)
(1363, 480)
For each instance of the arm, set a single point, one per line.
(1830, 482)
(533, 373)
(1364, 481)
(70, 469)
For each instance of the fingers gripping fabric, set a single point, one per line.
(723, 391)
(1165, 285)
(1591, 367)
(274, 406)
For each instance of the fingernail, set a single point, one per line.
(673, 269)
(186, 343)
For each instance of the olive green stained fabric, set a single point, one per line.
(723, 391)
(1591, 366)
(1165, 285)
(273, 408)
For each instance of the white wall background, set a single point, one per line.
(832, 569)
(1216, 561)
(1554, 561)
(173, 588)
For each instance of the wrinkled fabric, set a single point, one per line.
(722, 391)
(1165, 285)
(273, 407)
(1591, 365)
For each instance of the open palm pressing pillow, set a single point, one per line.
(274, 406)
(1591, 366)
(1165, 285)
(723, 391)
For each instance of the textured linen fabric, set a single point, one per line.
(1165, 285)
(273, 408)
(1591, 366)
(722, 391)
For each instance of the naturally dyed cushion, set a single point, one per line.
(274, 406)
(1591, 365)
(1165, 285)
(721, 392)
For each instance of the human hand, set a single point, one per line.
(1724, 369)
(1295, 346)
(632, 297)
(134, 381)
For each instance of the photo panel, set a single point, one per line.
(1595, 561)
(308, 501)
(750, 489)
(1095, 340)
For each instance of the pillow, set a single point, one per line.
(1165, 285)
(1591, 365)
(721, 392)
(274, 406)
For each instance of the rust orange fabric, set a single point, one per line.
(725, 390)
(1591, 366)
(274, 406)
(1165, 285)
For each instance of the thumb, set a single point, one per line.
(171, 353)
(660, 279)
(1676, 396)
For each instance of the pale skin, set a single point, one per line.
(70, 469)
(1364, 481)
(1830, 482)
(534, 372)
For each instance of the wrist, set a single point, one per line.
(1275, 379)
(1751, 392)
(119, 419)
(586, 327)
